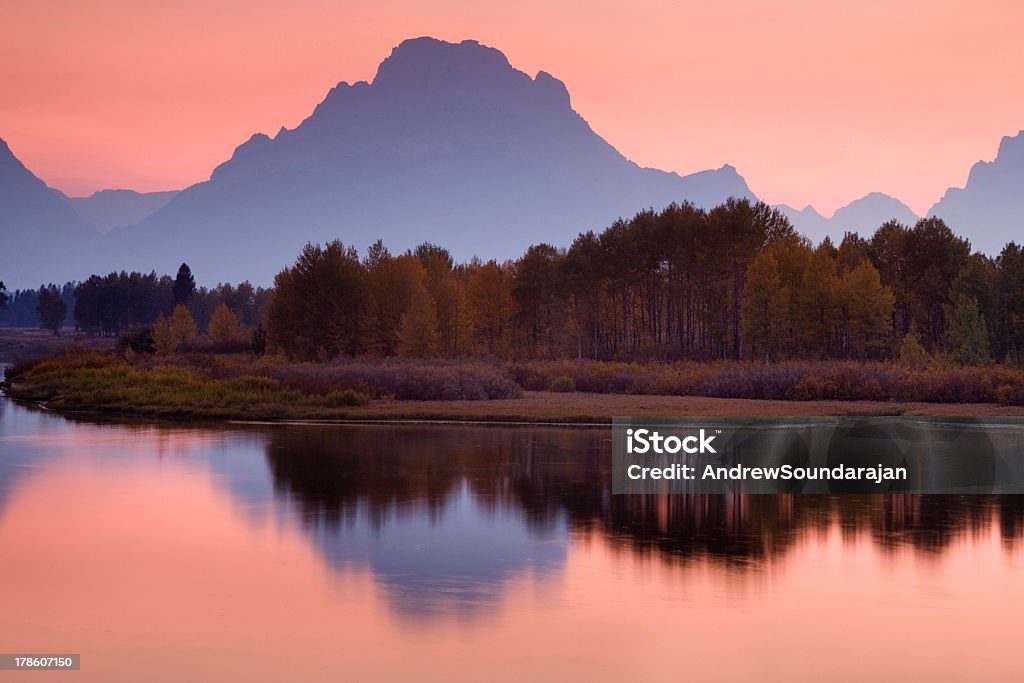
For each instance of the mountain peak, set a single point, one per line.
(6, 155)
(425, 61)
(988, 207)
(448, 141)
(1011, 149)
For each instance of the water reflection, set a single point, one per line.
(553, 476)
(464, 549)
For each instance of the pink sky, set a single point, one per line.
(814, 102)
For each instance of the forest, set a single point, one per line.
(732, 283)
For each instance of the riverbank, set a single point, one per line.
(22, 343)
(206, 386)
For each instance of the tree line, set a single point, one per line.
(112, 304)
(732, 282)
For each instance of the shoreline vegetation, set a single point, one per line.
(206, 386)
(726, 309)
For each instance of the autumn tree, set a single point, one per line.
(417, 335)
(741, 229)
(446, 285)
(183, 327)
(867, 306)
(853, 249)
(317, 306)
(819, 311)
(390, 283)
(163, 338)
(223, 325)
(763, 307)
(489, 296)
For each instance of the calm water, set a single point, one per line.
(419, 553)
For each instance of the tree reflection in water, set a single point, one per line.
(547, 474)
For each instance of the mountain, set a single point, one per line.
(989, 209)
(867, 214)
(449, 144)
(807, 221)
(862, 216)
(108, 209)
(42, 239)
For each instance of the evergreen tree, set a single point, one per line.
(184, 285)
(258, 340)
(317, 308)
(4, 298)
(912, 354)
(51, 308)
(966, 338)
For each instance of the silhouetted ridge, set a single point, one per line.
(862, 216)
(990, 207)
(449, 142)
(427, 63)
(41, 237)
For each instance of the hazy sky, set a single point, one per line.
(813, 101)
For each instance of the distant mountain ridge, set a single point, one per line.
(448, 143)
(40, 234)
(109, 209)
(990, 207)
(862, 216)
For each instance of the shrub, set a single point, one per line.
(562, 384)
(138, 338)
(348, 397)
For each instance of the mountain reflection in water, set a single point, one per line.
(476, 552)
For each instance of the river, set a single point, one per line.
(469, 553)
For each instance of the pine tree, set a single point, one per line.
(258, 341)
(912, 354)
(966, 338)
(51, 308)
(184, 285)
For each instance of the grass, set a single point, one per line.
(786, 381)
(237, 387)
(211, 386)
